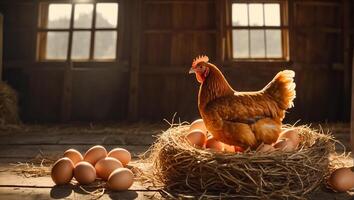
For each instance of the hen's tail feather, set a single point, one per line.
(282, 89)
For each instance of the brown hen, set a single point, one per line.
(245, 119)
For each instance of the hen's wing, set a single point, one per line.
(270, 102)
(230, 117)
(245, 107)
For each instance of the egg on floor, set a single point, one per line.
(291, 134)
(121, 179)
(197, 138)
(84, 173)
(286, 145)
(95, 154)
(73, 155)
(106, 166)
(198, 124)
(214, 144)
(342, 179)
(120, 154)
(62, 171)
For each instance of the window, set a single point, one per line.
(259, 31)
(78, 31)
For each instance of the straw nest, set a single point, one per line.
(8, 105)
(184, 170)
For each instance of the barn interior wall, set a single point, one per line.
(150, 81)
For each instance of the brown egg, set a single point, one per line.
(291, 134)
(106, 166)
(73, 155)
(198, 124)
(265, 148)
(121, 179)
(285, 145)
(120, 154)
(197, 138)
(342, 179)
(84, 172)
(229, 148)
(214, 144)
(95, 154)
(62, 171)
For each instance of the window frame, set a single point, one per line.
(41, 31)
(284, 28)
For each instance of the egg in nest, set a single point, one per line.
(196, 138)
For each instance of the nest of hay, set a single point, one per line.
(8, 105)
(181, 168)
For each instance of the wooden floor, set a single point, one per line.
(23, 144)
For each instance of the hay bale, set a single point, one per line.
(8, 105)
(185, 170)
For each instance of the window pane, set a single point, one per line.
(257, 44)
(106, 15)
(57, 45)
(239, 14)
(105, 44)
(273, 38)
(272, 14)
(81, 45)
(240, 43)
(83, 16)
(256, 14)
(59, 15)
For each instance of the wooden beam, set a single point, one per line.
(1, 43)
(346, 56)
(176, 31)
(352, 109)
(67, 93)
(67, 83)
(135, 62)
(220, 30)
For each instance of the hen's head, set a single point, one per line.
(200, 67)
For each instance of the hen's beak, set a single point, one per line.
(191, 70)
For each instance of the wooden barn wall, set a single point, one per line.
(159, 40)
(60, 91)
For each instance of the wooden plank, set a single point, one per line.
(10, 178)
(67, 93)
(176, 1)
(1, 43)
(346, 54)
(13, 185)
(89, 138)
(56, 151)
(67, 83)
(220, 30)
(352, 108)
(135, 63)
(177, 31)
(15, 193)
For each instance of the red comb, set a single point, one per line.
(200, 59)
